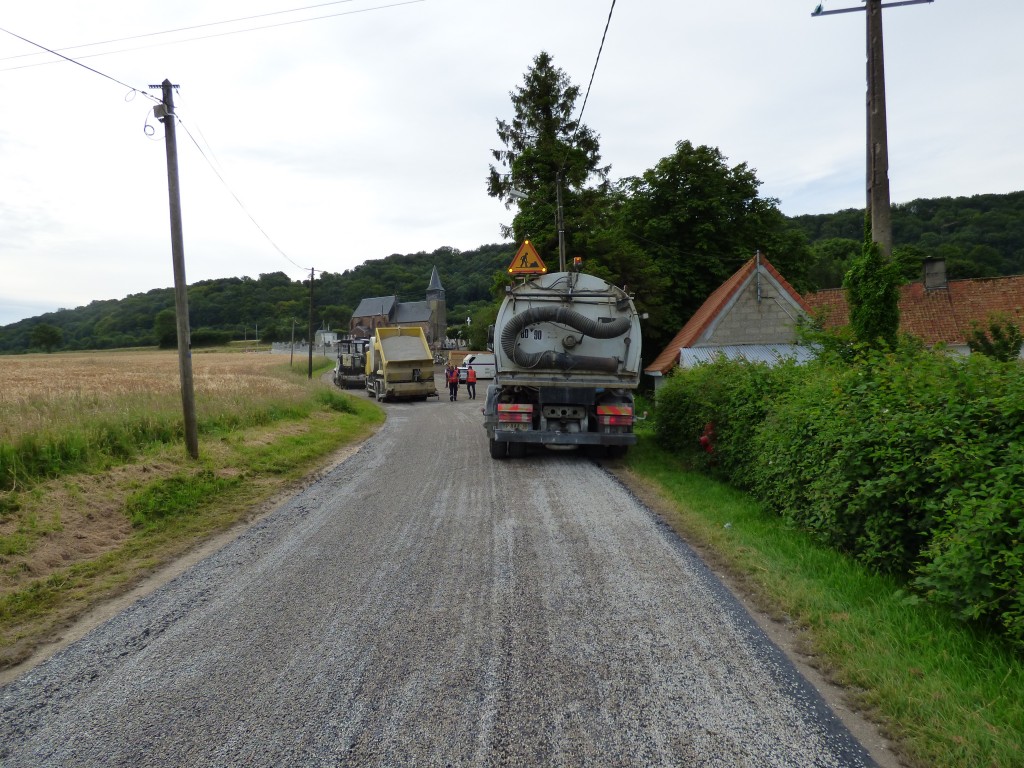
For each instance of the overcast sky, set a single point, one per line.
(368, 132)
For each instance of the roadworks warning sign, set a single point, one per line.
(527, 261)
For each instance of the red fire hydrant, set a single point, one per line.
(707, 439)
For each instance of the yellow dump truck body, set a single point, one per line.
(400, 365)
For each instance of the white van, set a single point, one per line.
(482, 363)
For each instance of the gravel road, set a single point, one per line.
(425, 605)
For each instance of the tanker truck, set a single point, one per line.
(567, 362)
(399, 365)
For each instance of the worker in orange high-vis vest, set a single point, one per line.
(471, 383)
(453, 383)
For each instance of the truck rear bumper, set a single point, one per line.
(403, 390)
(563, 438)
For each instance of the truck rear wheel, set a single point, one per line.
(498, 450)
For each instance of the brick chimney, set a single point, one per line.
(935, 274)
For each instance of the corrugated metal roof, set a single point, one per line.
(772, 354)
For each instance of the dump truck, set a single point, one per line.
(567, 364)
(399, 365)
(350, 370)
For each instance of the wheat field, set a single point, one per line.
(49, 392)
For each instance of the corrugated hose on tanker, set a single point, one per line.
(561, 360)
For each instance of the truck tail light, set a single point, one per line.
(615, 415)
(515, 412)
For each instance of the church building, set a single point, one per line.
(387, 311)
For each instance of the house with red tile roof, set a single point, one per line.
(752, 316)
(937, 310)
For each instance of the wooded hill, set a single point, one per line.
(979, 236)
(235, 308)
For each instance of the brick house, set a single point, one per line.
(754, 314)
(937, 310)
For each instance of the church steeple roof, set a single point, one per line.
(435, 281)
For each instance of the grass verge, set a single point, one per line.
(69, 543)
(946, 695)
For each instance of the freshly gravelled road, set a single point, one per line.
(425, 605)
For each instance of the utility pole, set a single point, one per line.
(878, 201)
(560, 222)
(165, 114)
(311, 330)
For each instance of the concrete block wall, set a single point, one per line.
(770, 321)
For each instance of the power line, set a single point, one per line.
(181, 29)
(73, 61)
(178, 119)
(237, 199)
(559, 220)
(594, 70)
(208, 37)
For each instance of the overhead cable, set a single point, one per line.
(181, 29)
(594, 70)
(218, 34)
(73, 61)
(237, 199)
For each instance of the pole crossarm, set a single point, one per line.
(819, 11)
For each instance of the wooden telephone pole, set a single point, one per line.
(165, 114)
(878, 201)
(312, 330)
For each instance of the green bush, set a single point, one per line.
(733, 397)
(975, 561)
(909, 460)
(685, 404)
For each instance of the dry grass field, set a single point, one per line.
(50, 392)
(83, 434)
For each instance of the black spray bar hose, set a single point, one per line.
(561, 360)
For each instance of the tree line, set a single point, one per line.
(270, 306)
(671, 235)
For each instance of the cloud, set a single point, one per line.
(351, 138)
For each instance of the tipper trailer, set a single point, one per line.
(399, 365)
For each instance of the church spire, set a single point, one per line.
(435, 286)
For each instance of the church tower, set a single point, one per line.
(438, 311)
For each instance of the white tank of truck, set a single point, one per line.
(567, 363)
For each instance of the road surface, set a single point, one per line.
(423, 604)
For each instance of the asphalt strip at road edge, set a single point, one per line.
(784, 637)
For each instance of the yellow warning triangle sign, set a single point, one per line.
(527, 261)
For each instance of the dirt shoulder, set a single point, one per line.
(82, 520)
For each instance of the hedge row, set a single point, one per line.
(910, 461)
